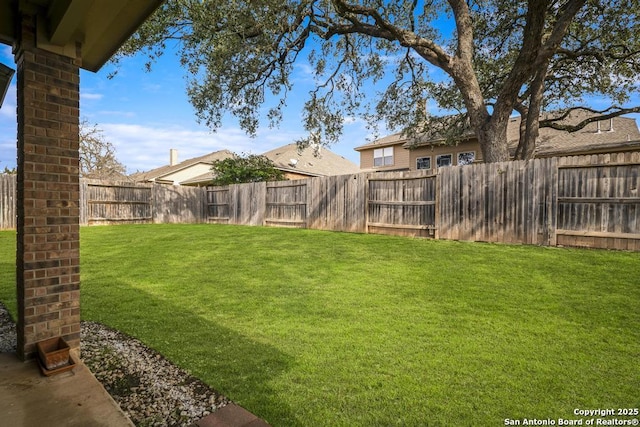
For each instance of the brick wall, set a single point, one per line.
(48, 193)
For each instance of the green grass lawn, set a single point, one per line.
(316, 328)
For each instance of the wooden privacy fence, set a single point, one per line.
(327, 203)
(591, 201)
(7, 201)
(120, 203)
(599, 201)
(115, 202)
(125, 202)
(401, 203)
(510, 202)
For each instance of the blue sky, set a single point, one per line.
(144, 114)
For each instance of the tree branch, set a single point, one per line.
(426, 48)
(566, 15)
(599, 115)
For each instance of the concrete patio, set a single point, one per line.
(76, 398)
(72, 398)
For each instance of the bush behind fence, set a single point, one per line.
(590, 201)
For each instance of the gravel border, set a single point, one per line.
(149, 389)
(8, 336)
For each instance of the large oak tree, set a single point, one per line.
(495, 57)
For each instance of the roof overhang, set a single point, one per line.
(100, 26)
(6, 74)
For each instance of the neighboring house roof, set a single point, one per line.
(199, 180)
(597, 136)
(612, 134)
(184, 171)
(290, 158)
(385, 141)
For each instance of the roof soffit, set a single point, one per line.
(101, 26)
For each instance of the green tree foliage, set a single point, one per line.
(97, 155)
(247, 168)
(494, 58)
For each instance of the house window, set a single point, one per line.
(444, 160)
(423, 163)
(466, 158)
(383, 156)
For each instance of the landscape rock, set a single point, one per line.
(149, 388)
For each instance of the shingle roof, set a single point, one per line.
(290, 158)
(551, 141)
(613, 133)
(385, 141)
(205, 178)
(158, 173)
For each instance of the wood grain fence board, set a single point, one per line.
(336, 203)
(600, 206)
(401, 202)
(117, 202)
(479, 191)
(286, 203)
(217, 205)
(178, 204)
(258, 198)
(8, 188)
(245, 203)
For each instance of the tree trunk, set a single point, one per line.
(524, 111)
(491, 131)
(493, 141)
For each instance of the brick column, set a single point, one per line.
(48, 247)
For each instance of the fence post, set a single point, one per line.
(437, 220)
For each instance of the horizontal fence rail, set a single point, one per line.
(114, 202)
(402, 203)
(599, 201)
(589, 201)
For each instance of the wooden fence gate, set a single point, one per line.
(107, 203)
(286, 204)
(599, 201)
(402, 203)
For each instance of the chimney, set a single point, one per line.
(173, 157)
(611, 125)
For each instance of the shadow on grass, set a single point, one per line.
(237, 367)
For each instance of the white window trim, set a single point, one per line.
(424, 157)
(466, 152)
(385, 155)
(443, 155)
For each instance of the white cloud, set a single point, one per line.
(116, 113)
(144, 147)
(8, 109)
(85, 96)
(149, 87)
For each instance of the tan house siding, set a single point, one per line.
(366, 159)
(434, 151)
(605, 136)
(293, 175)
